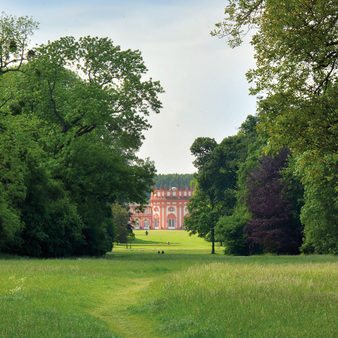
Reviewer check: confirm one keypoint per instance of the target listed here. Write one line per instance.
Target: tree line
(174, 180)
(273, 186)
(72, 117)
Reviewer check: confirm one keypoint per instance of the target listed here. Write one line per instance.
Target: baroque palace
(165, 211)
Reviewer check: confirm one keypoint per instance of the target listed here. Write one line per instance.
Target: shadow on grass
(141, 242)
(6, 257)
(220, 257)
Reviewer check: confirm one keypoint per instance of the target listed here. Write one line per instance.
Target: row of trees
(175, 180)
(72, 116)
(284, 181)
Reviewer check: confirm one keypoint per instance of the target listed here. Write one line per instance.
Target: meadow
(185, 292)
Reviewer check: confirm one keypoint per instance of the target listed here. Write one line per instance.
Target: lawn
(170, 241)
(185, 292)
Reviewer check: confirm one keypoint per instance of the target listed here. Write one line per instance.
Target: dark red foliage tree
(273, 227)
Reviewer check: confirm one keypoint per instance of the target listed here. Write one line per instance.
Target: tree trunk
(213, 240)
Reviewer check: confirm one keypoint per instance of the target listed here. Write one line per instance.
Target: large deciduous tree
(202, 218)
(216, 179)
(272, 227)
(296, 47)
(81, 106)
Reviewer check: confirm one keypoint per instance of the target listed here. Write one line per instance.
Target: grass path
(185, 292)
(115, 311)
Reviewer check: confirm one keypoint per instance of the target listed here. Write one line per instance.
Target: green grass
(185, 292)
(179, 241)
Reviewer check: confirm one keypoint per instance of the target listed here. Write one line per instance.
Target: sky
(206, 92)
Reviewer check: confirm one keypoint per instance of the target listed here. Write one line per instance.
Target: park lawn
(169, 241)
(185, 292)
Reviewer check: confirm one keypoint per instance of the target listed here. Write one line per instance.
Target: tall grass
(185, 292)
(247, 300)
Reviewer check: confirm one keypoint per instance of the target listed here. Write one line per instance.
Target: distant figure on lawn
(162, 251)
(168, 243)
(146, 233)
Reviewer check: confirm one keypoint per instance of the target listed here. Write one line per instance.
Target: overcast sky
(206, 93)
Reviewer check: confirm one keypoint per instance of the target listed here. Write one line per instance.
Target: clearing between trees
(185, 292)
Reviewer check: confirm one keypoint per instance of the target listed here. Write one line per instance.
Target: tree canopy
(295, 78)
(72, 118)
(216, 179)
(175, 180)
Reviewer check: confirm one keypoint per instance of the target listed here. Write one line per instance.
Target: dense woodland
(174, 180)
(272, 187)
(72, 117)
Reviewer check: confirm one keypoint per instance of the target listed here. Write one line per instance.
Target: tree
(296, 75)
(175, 180)
(123, 229)
(319, 213)
(231, 231)
(216, 178)
(87, 103)
(14, 39)
(16, 143)
(202, 219)
(272, 227)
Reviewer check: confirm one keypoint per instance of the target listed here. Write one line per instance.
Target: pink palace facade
(165, 211)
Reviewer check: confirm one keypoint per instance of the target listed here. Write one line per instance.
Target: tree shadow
(141, 242)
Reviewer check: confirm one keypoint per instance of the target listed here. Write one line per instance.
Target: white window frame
(171, 223)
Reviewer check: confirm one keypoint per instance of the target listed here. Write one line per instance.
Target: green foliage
(216, 193)
(10, 223)
(231, 230)
(14, 34)
(53, 228)
(71, 124)
(202, 217)
(296, 56)
(320, 211)
(175, 180)
(123, 230)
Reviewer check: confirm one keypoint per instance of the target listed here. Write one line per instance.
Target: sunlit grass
(247, 300)
(170, 241)
(185, 292)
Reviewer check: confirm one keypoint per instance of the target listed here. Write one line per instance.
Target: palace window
(145, 225)
(171, 223)
(156, 223)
